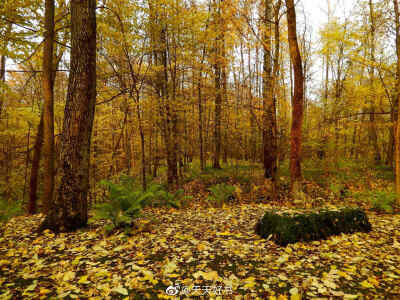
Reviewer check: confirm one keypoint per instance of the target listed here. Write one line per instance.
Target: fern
(9, 210)
(171, 199)
(124, 205)
(221, 193)
(383, 201)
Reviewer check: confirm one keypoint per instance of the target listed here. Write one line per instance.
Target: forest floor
(212, 250)
(212, 253)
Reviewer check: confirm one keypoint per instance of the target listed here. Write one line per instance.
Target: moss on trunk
(288, 228)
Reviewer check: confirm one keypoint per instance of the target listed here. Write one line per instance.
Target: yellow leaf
(83, 280)
(120, 290)
(4, 262)
(225, 233)
(69, 275)
(212, 275)
(201, 247)
(366, 284)
(373, 281)
(295, 297)
(169, 267)
(44, 291)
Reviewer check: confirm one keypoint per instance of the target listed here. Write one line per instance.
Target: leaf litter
(198, 247)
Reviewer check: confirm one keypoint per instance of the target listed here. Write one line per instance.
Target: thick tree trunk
(69, 210)
(297, 111)
(48, 108)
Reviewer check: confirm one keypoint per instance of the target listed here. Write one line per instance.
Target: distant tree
(297, 111)
(269, 127)
(218, 78)
(397, 128)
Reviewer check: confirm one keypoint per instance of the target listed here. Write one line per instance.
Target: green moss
(309, 226)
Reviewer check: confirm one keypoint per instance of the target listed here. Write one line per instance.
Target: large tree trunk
(48, 107)
(297, 111)
(69, 210)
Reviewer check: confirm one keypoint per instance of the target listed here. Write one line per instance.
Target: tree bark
(397, 126)
(48, 107)
(372, 126)
(69, 210)
(2, 81)
(269, 109)
(218, 88)
(297, 111)
(32, 206)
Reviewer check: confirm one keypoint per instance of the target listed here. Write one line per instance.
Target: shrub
(163, 197)
(308, 226)
(124, 205)
(383, 201)
(9, 210)
(221, 193)
(339, 190)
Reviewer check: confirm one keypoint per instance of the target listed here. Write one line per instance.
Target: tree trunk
(201, 139)
(69, 210)
(32, 206)
(297, 111)
(48, 108)
(218, 89)
(397, 131)
(269, 110)
(2, 81)
(372, 126)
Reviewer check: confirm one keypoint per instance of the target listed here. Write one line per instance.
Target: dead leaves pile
(198, 247)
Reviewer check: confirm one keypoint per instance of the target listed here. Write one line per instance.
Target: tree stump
(286, 228)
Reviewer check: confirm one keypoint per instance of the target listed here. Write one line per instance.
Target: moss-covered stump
(285, 228)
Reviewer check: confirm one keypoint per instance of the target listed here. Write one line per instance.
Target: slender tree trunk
(269, 110)
(48, 108)
(218, 90)
(3, 59)
(142, 142)
(372, 126)
(201, 139)
(2, 81)
(69, 210)
(32, 206)
(27, 159)
(297, 111)
(397, 131)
